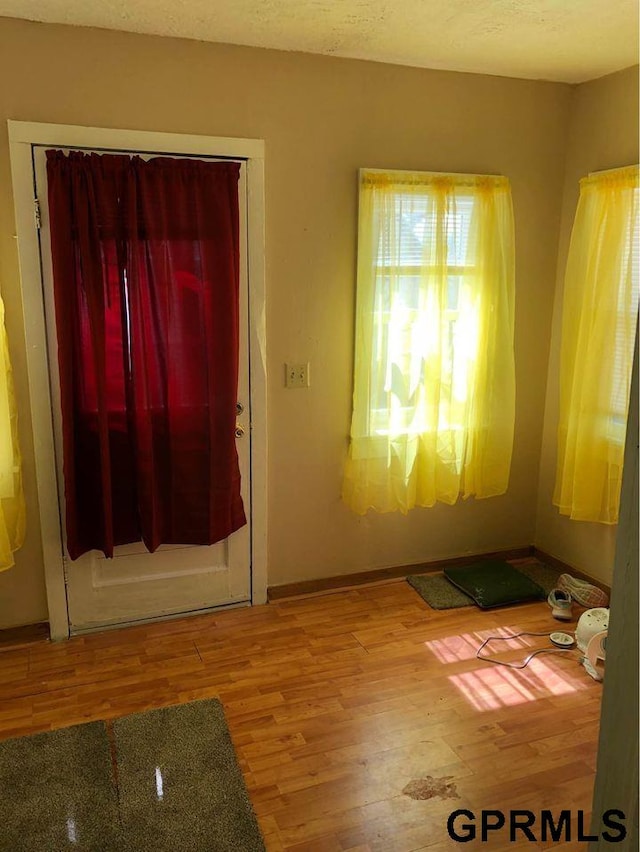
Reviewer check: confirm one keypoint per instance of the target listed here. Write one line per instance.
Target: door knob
(239, 431)
(239, 408)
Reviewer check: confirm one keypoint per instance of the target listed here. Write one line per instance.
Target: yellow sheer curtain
(434, 386)
(12, 508)
(599, 319)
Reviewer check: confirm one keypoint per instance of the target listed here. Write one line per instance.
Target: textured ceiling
(564, 40)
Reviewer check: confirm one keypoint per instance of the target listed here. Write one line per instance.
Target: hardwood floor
(336, 703)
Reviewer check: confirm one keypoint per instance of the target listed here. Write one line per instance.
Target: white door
(137, 585)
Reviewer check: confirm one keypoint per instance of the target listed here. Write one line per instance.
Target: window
(626, 312)
(402, 331)
(600, 311)
(434, 383)
(12, 505)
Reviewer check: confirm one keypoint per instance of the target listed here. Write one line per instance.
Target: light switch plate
(297, 375)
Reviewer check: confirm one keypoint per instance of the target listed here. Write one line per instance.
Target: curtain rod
(616, 169)
(424, 172)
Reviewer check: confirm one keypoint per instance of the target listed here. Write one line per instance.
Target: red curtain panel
(146, 284)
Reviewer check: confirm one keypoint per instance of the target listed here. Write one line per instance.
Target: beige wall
(603, 134)
(322, 119)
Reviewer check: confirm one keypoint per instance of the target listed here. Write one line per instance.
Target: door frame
(23, 136)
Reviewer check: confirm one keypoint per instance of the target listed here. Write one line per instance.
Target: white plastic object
(591, 671)
(562, 640)
(597, 648)
(591, 622)
(595, 654)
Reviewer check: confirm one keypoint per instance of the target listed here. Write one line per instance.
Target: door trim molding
(23, 136)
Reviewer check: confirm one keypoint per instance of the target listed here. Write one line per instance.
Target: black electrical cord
(528, 659)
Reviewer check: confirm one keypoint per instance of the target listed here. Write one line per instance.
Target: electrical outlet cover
(297, 375)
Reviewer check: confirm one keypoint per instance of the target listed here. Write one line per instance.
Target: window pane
(410, 229)
(625, 325)
(453, 292)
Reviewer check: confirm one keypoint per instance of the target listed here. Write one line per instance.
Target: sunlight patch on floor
(453, 649)
(490, 686)
(494, 687)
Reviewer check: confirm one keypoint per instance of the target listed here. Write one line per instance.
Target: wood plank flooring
(336, 703)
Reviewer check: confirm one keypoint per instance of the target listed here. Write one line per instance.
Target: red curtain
(145, 264)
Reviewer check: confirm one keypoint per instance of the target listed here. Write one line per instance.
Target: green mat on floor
(171, 782)
(57, 792)
(180, 785)
(440, 593)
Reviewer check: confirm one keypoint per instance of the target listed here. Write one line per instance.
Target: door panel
(171, 580)
(137, 585)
